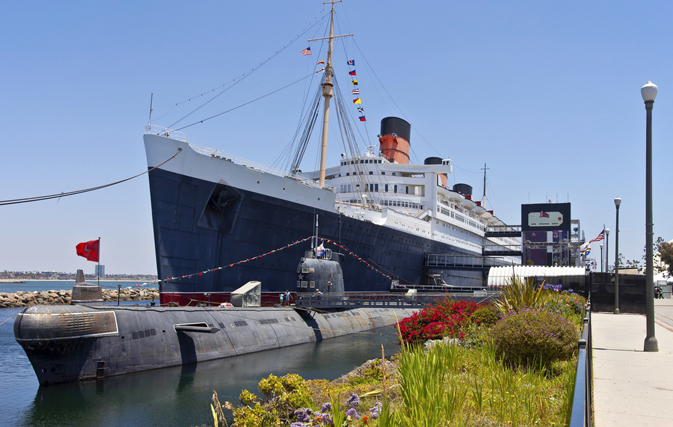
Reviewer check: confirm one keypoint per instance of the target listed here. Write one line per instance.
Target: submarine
(88, 340)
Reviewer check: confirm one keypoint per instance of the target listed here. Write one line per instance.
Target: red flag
(89, 250)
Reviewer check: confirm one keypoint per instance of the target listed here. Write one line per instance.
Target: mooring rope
(86, 190)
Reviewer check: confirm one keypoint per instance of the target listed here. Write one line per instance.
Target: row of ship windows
(370, 173)
(361, 161)
(459, 217)
(347, 188)
(395, 203)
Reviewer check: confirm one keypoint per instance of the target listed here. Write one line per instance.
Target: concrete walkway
(632, 387)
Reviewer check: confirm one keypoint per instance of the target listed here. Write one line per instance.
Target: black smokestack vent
(464, 189)
(397, 126)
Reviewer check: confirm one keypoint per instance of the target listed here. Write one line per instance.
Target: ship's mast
(327, 92)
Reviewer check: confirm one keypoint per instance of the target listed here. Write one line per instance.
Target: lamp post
(649, 92)
(601, 257)
(618, 201)
(607, 248)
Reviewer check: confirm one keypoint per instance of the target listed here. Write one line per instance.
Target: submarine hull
(81, 342)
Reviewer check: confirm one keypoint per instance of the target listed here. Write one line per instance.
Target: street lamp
(649, 92)
(607, 248)
(618, 202)
(601, 257)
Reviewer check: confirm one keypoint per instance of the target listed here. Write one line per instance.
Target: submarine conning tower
(323, 274)
(394, 139)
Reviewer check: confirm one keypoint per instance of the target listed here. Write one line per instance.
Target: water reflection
(181, 395)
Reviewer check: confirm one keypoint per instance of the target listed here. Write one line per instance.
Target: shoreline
(53, 297)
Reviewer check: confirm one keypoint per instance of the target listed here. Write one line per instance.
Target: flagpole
(99, 261)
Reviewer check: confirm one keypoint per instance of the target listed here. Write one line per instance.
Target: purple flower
(303, 415)
(297, 425)
(326, 407)
(353, 400)
(352, 413)
(375, 410)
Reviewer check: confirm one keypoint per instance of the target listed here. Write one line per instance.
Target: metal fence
(372, 299)
(581, 409)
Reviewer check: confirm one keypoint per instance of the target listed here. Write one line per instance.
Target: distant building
(96, 270)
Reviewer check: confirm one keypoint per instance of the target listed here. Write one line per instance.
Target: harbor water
(177, 396)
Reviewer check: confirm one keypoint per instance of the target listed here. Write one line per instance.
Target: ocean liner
(220, 221)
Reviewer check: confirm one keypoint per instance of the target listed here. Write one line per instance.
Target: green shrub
(486, 316)
(567, 304)
(534, 337)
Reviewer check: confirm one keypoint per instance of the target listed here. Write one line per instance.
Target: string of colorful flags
(234, 263)
(353, 254)
(354, 81)
(356, 90)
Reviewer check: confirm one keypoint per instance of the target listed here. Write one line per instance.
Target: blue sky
(547, 94)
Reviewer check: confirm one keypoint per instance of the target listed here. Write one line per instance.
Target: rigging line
(246, 103)
(391, 97)
(86, 190)
(235, 82)
(10, 318)
(319, 18)
(284, 159)
(465, 170)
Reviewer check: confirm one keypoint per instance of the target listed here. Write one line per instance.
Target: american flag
(306, 51)
(598, 238)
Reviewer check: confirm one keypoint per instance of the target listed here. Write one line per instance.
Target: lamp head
(649, 91)
(607, 231)
(618, 201)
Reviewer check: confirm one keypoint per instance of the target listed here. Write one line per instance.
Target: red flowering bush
(446, 318)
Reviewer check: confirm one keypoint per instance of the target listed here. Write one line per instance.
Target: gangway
(503, 231)
(464, 262)
(501, 250)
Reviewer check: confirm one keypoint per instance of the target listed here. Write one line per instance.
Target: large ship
(220, 221)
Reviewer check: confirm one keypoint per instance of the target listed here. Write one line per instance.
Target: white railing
(168, 133)
(256, 166)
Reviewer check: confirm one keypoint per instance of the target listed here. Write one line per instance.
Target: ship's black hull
(200, 225)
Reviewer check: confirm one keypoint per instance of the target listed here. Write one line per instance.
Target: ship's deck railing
(168, 133)
(443, 260)
(377, 299)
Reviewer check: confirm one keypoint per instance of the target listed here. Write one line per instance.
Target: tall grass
(452, 385)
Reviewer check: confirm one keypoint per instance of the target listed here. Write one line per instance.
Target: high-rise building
(96, 270)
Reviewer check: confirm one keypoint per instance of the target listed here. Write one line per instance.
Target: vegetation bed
(461, 364)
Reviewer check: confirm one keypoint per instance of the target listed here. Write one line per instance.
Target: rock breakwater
(24, 299)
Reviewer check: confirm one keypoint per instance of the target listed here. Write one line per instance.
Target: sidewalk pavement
(632, 387)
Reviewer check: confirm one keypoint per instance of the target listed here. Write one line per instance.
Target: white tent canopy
(499, 276)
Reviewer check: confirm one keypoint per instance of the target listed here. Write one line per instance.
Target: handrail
(165, 132)
(581, 410)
